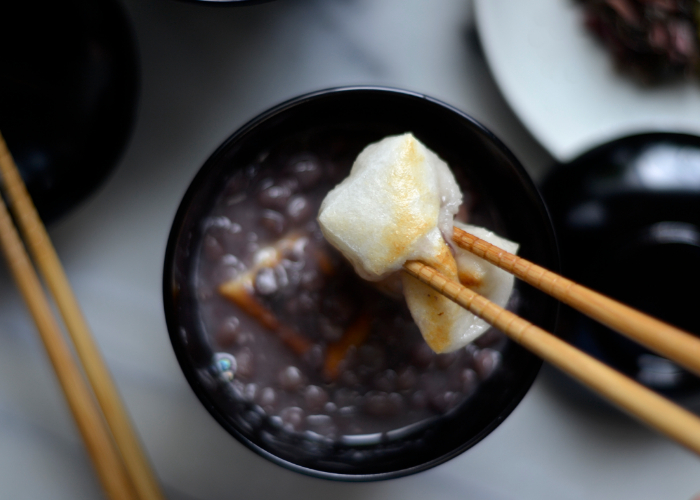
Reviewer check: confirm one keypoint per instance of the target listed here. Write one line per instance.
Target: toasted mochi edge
(434, 313)
(446, 326)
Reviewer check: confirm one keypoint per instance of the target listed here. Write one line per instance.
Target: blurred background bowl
(471, 150)
(227, 3)
(68, 95)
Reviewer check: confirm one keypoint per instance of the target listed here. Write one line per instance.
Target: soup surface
(296, 335)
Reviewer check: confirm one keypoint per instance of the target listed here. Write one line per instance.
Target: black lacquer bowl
(627, 217)
(228, 3)
(493, 173)
(68, 95)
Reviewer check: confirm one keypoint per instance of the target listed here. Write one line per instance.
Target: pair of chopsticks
(640, 402)
(102, 420)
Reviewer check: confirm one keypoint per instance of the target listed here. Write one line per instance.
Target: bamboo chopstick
(640, 402)
(46, 259)
(658, 336)
(96, 436)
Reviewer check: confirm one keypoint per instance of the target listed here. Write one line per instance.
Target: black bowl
(493, 174)
(68, 95)
(227, 3)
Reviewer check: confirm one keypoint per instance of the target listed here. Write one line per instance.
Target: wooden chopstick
(667, 340)
(640, 402)
(91, 426)
(46, 259)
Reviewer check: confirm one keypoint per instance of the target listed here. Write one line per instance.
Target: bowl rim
(173, 324)
(226, 3)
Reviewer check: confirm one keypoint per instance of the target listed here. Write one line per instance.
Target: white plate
(562, 83)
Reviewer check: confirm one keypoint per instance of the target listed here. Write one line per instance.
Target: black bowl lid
(627, 218)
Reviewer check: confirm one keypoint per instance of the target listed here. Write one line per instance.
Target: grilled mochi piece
(388, 210)
(460, 327)
(397, 203)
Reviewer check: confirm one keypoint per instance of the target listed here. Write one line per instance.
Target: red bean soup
(296, 355)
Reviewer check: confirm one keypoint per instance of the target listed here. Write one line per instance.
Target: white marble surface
(205, 72)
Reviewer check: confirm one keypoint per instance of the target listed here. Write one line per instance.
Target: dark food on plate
(311, 348)
(655, 40)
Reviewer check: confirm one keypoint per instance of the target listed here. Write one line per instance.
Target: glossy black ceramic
(627, 216)
(227, 3)
(68, 95)
(464, 144)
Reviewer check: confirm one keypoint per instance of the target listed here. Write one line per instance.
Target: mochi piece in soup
(391, 207)
(398, 204)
